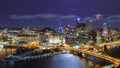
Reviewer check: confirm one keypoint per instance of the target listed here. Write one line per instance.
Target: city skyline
(48, 33)
(50, 13)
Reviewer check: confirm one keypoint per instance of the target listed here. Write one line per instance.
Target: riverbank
(33, 54)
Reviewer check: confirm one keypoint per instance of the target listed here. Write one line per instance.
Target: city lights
(60, 34)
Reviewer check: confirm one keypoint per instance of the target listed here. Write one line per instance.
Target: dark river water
(58, 61)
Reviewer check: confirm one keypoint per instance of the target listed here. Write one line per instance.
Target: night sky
(38, 13)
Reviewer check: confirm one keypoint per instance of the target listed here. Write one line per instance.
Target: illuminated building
(1, 37)
(45, 35)
(60, 28)
(105, 30)
(92, 35)
(52, 37)
(98, 37)
(89, 26)
(56, 39)
(28, 37)
(99, 16)
(80, 24)
(59, 37)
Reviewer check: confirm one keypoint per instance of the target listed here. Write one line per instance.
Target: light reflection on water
(59, 61)
(67, 61)
(90, 64)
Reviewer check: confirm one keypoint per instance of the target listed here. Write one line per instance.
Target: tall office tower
(60, 35)
(89, 26)
(80, 24)
(105, 30)
(98, 37)
(77, 22)
(60, 28)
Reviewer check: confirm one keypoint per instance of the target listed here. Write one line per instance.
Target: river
(58, 61)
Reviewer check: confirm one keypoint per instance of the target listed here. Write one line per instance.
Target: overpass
(106, 57)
